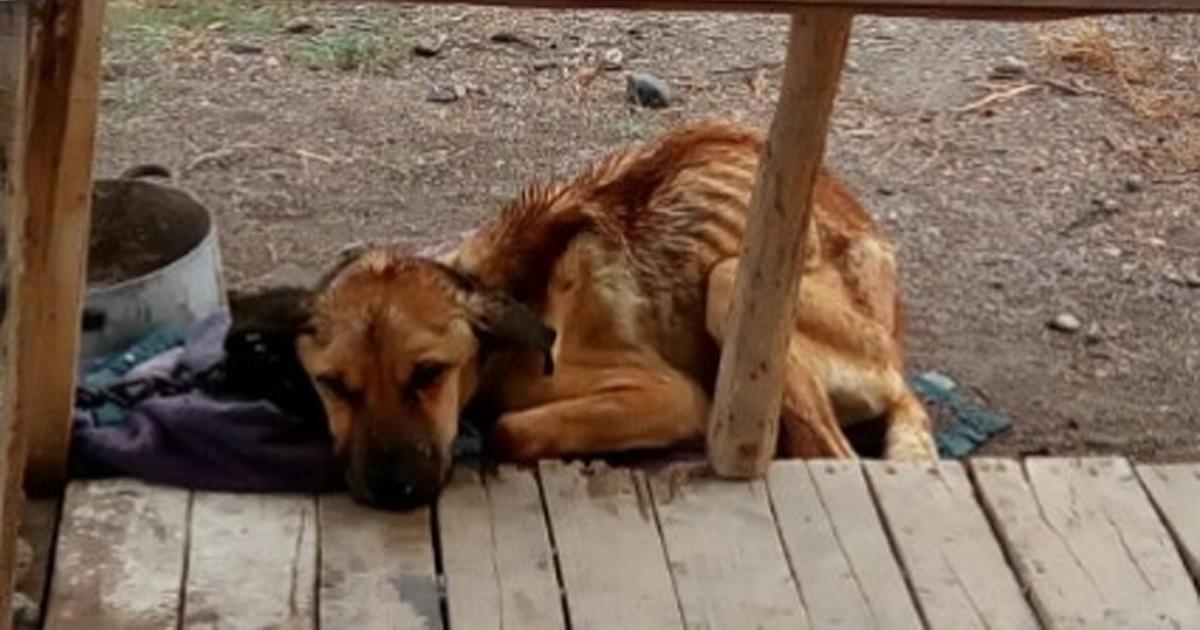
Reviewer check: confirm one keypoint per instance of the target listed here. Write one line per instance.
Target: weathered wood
(119, 562)
(1175, 490)
(252, 562)
(838, 550)
(955, 565)
(496, 554)
(613, 567)
(51, 239)
(377, 568)
(724, 551)
(14, 27)
(1086, 540)
(744, 427)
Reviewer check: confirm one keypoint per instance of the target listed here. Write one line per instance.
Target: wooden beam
(744, 426)
(945, 9)
(14, 28)
(51, 238)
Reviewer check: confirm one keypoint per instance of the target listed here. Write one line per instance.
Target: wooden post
(744, 426)
(50, 230)
(14, 28)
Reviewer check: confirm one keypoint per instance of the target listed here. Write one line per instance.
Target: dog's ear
(499, 318)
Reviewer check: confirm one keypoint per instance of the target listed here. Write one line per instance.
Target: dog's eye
(426, 374)
(337, 387)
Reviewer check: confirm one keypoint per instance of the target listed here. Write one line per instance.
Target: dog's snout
(397, 480)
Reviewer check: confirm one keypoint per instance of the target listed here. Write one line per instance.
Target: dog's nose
(396, 483)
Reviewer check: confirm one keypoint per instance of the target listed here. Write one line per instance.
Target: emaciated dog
(589, 314)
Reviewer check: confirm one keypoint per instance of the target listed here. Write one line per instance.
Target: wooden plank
(947, 9)
(39, 522)
(377, 568)
(955, 565)
(14, 431)
(51, 239)
(724, 551)
(744, 426)
(838, 550)
(252, 562)
(496, 554)
(1174, 489)
(1086, 540)
(613, 566)
(119, 562)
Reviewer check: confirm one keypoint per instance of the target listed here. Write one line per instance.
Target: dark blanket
(191, 416)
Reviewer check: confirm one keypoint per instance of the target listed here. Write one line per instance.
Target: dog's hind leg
(809, 427)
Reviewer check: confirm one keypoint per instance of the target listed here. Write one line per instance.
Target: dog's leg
(615, 409)
(909, 435)
(809, 426)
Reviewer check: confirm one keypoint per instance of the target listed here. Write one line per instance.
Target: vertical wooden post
(744, 426)
(14, 29)
(51, 239)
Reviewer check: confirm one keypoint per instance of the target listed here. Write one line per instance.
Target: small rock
(431, 47)
(1112, 251)
(244, 48)
(1155, 241)
(1009, 68)
(886, 191)
(1106, 204)
(612, 59)
(1065, 322)
(1093, 335)
(648, 90)
(446, 93)
(543, 64)
(1135, 183)
(300, 26)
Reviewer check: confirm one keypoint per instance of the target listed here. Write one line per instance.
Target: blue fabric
(963, 425)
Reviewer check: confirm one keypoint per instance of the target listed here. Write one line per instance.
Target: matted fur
(631, 264)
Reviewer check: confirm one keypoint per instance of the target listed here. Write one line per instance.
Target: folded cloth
(185, 424)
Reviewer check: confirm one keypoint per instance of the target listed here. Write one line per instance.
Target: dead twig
(996, 97)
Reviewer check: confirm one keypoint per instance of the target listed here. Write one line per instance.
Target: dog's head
(393, 345)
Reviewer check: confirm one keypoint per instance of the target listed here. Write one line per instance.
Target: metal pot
(155, 248)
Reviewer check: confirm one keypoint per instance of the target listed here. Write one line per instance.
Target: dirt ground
(1027, 172)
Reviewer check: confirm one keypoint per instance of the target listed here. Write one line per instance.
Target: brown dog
(590, 314)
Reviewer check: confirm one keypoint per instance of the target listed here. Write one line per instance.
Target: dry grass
(1141, 72)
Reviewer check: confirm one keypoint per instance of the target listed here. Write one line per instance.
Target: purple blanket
(197, 436)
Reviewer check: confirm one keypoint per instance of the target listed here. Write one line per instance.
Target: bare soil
(1063, 181)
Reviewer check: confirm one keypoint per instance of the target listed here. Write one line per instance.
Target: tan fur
(632, 263)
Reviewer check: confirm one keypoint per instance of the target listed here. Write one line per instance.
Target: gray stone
(648, 90)
(446, 93)
(1066, 323)
(430, 47)
(245, 48)
(1009, 68)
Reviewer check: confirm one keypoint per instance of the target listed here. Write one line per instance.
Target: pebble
(1065, 322)
(612, 59)
(1093, 335)
(886, 191)
(1009, 68)
(244, 48)
(430, 47)
(300, 26)
(543, 64)
(1107, 204)
(939, 380)
(648, 90)
(446, 93)
(1135, 183)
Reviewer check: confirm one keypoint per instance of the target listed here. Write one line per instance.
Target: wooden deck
(1050, 543)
